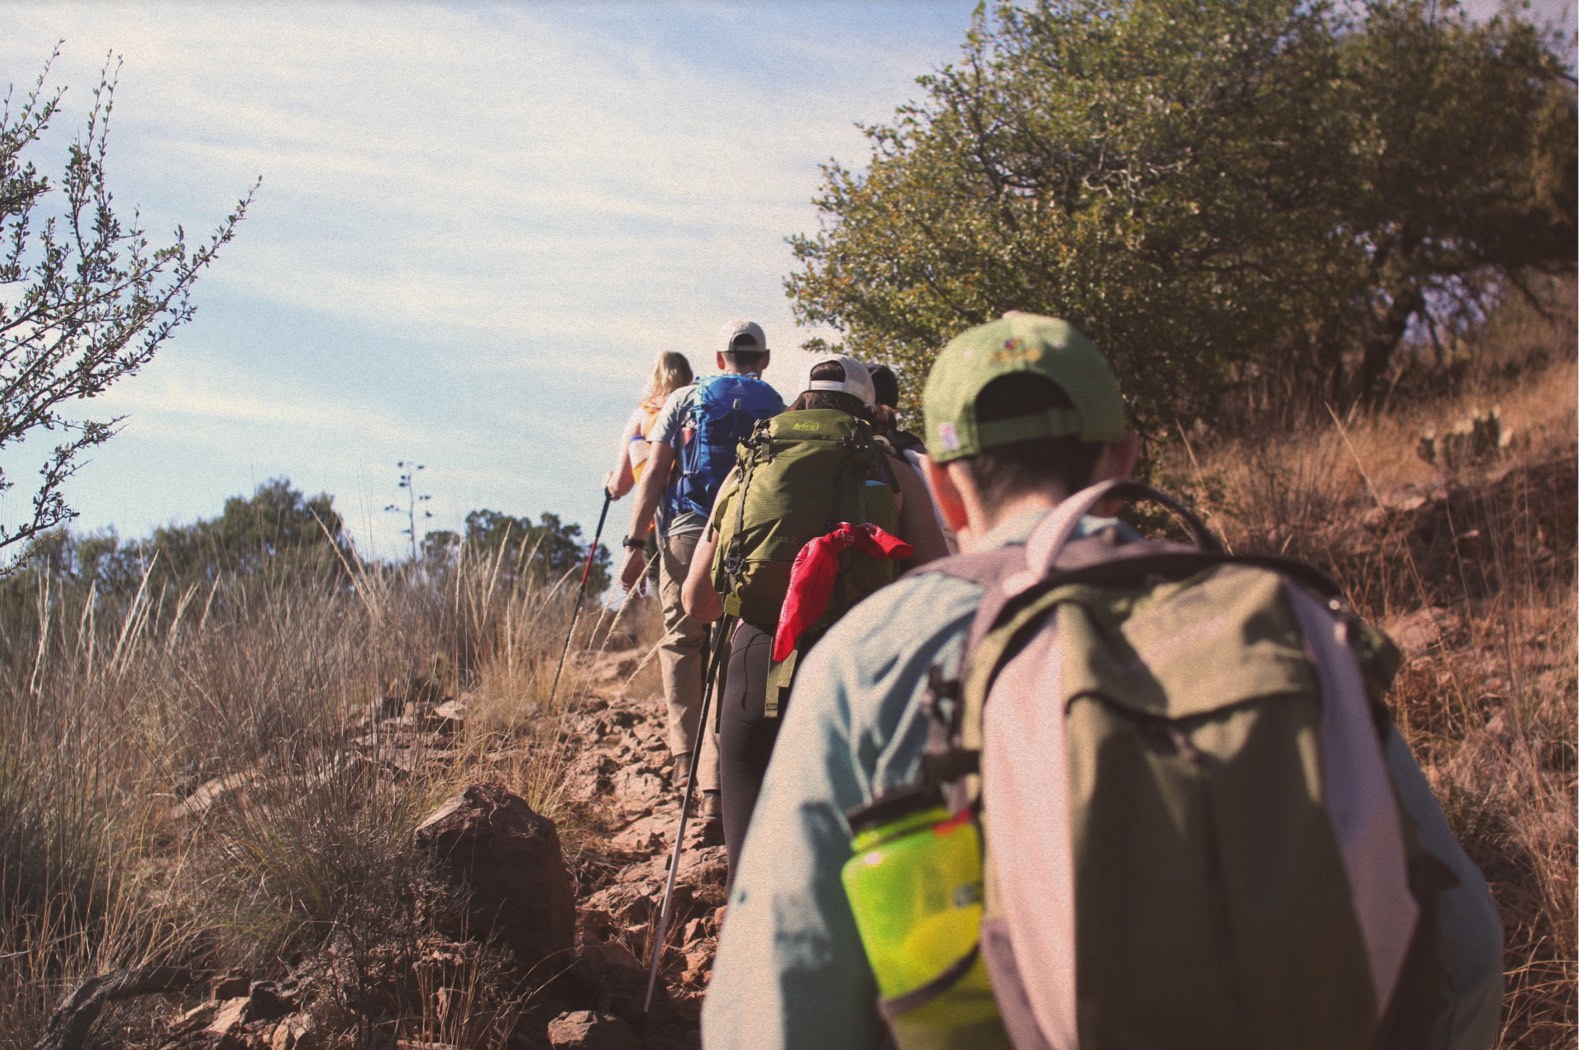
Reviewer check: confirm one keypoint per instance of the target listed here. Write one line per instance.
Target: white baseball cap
(857, 381)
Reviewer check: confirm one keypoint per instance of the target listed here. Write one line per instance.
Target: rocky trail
(625, 813)
(620, 779)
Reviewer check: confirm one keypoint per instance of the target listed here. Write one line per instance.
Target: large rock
(489, 841)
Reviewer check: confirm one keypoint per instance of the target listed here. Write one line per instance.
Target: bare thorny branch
(84, 300)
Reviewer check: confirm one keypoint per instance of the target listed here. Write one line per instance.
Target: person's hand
(608, 486)
(634, 569)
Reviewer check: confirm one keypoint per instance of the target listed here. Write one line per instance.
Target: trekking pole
(592, 550)
(725, 629)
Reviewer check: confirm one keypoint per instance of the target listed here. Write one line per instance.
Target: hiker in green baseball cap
(1026, 346)
(1021, 414)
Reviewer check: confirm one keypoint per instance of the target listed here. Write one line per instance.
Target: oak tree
(1266, 198)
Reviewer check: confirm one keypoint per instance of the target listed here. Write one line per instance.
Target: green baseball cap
(1016, 344)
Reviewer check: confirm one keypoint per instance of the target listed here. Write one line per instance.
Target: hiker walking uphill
(691, 449)
(886, 416)
(1177, 814)
(671, 371)
(886, 413)
(807, 472)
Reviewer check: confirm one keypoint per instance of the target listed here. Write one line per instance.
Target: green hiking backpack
(799, 475)
(1191, 839)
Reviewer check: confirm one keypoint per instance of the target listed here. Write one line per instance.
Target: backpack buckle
(940, 768)
(943, 700)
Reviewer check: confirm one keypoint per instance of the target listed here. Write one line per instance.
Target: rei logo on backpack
(1190, 836)
(724, 410)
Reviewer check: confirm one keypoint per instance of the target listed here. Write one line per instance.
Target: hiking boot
(712, 808)
(681, 773)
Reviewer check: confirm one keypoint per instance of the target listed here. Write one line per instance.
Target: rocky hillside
(517, 932)
(514, 940)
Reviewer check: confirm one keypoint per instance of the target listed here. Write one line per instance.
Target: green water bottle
(915, 887)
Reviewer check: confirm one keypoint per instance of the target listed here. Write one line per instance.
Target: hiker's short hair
(745, 360)
(1007, 471)
(885, 385)
(830, 371)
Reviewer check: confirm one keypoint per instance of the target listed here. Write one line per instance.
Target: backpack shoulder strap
(1054, 532)
(1052, 550)
(1016, 576)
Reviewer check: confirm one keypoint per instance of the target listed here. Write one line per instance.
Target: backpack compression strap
(746, 459)
(1053, 556)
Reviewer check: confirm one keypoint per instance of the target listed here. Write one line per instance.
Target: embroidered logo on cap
(948, 438)
(1015, 352)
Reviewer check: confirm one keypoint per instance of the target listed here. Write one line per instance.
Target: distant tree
(543, 553)
(98, 558)
(276, 528)
(59, 571)
(439, 548)
(1226, 194)
(84, 299)
(275, 534)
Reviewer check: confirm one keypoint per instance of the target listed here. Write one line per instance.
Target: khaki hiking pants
(682, 660)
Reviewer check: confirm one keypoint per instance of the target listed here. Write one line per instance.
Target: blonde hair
(671, 371)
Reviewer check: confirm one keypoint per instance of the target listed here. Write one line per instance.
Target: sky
(476, 227)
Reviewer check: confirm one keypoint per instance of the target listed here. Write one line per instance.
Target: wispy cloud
(489, 195)
(497, 214)
(204, 393)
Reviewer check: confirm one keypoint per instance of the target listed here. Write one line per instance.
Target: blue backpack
(723, 412)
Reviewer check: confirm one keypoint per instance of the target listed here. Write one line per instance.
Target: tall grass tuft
(194, 778)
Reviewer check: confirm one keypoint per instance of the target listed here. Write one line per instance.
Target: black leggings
(746, 738)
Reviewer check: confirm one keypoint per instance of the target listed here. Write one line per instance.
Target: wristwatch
(631, 544)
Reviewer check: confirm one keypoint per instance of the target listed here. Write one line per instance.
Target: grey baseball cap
(857, 381)
(741, 334)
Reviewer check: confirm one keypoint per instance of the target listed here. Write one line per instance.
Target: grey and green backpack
(1175, 757)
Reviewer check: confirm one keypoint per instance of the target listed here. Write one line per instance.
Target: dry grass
(1472, 569)
(119, 710)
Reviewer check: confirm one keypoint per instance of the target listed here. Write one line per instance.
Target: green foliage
(541, 554)
(84, 300)
(274, 534)
(1261, 197)
(274, 528)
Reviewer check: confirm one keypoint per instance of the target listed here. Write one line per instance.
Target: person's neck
(983, 520)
